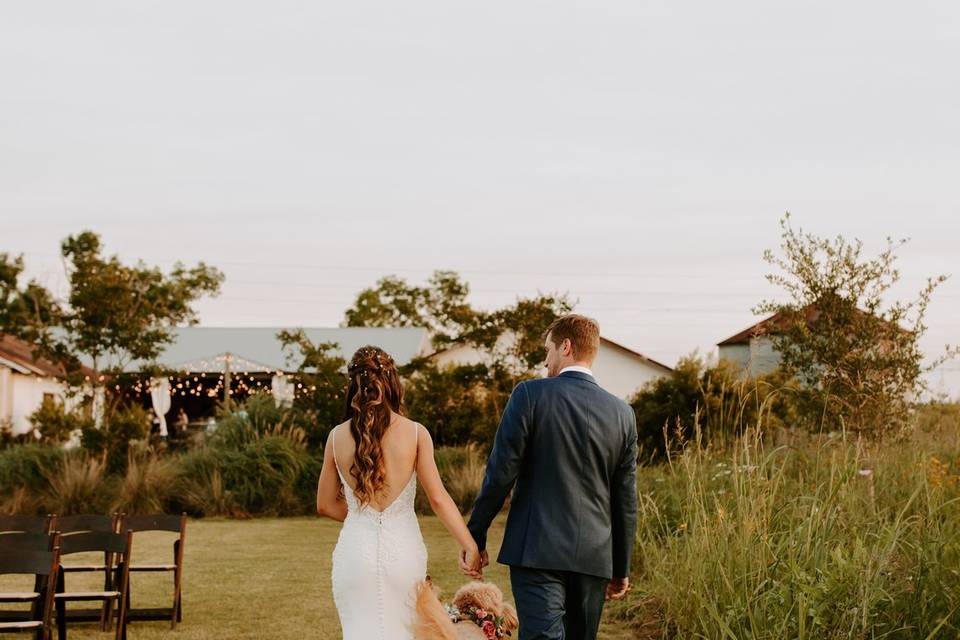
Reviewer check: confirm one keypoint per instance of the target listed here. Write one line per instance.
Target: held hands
(472, 562)
(617, 588)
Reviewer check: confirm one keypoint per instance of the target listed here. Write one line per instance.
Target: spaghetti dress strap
(416, 441)
(333, 434)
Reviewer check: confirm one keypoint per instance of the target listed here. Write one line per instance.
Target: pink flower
(489, 629)
(481, 614)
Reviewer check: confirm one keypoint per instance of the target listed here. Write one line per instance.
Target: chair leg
(106, 613)
(175, 608)
(61, 607)
(121, 633)
(61, 621)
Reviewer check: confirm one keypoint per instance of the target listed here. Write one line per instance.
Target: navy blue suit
(568, 450)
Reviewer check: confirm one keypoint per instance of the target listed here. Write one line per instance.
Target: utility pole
(226, 380)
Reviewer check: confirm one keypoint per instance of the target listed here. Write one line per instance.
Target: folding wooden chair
(23, 541)
(22, 557)
(70, 525)
(15, 542)
(82, 523)
(160, 522)
(25, 524)
(118, 581)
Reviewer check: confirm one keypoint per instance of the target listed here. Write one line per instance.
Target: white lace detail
(381, 554)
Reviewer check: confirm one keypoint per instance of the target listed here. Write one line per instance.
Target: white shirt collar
(578, 369)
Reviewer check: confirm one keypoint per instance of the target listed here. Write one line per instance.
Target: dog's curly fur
(432, 622)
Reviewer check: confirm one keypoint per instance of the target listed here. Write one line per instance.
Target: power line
(429, 270)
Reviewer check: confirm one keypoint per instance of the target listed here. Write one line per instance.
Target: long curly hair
(374, 394)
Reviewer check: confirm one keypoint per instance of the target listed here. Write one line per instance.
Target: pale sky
(636, 154)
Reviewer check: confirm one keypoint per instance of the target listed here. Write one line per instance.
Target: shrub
(112, 441)
(269, 472)
(26, 466)
(55, 423)
(255, 416)
(718, 402)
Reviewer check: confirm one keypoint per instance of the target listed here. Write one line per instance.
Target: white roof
(257, 348)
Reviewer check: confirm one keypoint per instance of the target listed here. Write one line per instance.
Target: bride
(371, 464)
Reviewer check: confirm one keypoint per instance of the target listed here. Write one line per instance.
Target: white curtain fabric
(283, 390)
(99, 405)
(160, 396)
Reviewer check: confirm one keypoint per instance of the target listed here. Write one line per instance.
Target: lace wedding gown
(378, 560)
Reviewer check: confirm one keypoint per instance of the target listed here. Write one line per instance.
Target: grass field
(265, 578)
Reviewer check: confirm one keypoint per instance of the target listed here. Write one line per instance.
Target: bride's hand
(471, 563)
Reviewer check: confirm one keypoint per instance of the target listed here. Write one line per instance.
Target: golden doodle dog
(478, 612)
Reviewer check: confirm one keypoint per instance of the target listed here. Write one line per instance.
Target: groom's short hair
(582, 332)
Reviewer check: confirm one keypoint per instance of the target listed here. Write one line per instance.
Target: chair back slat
(38, 563)
(155, 522)
(105, 541)
(21, 541)
(86, 522)
(24, 523)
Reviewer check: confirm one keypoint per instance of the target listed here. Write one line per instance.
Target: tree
(321, 373)
(440, 306)
(113, 314)
(857, 359)
(459, 404)
(24, 312)
(512, 336)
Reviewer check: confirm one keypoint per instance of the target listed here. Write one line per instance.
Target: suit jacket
(568, 449)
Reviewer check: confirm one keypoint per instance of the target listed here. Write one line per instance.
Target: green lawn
(266, 578)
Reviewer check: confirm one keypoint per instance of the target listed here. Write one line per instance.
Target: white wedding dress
(378, 561)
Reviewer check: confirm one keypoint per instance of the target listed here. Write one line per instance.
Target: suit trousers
(557, 605)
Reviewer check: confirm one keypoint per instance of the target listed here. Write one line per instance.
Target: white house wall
(618, 371)
(6, 395)
(461, 355)
(622, 373)
(27, 396)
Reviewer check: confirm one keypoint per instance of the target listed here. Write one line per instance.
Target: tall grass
(77, 485)
(819, 538)
(461, 469)
(148, 486)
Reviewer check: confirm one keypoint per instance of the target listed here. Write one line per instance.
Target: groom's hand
(471, 564)
(617, 588)
(484, 559)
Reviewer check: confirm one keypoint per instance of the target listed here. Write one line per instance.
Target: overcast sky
(636, 154)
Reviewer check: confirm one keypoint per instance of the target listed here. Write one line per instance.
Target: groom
(568, 449)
